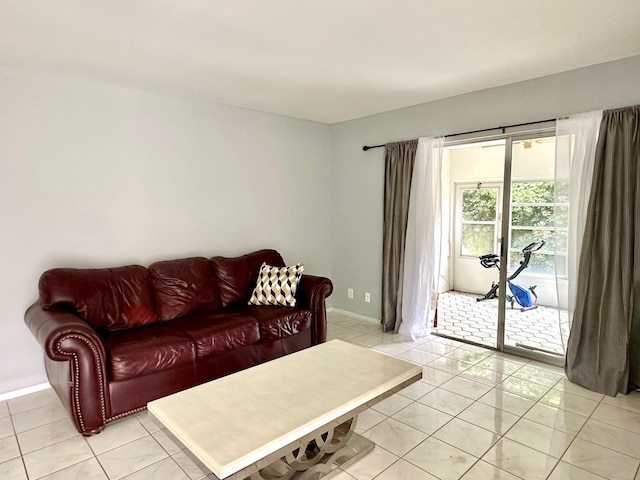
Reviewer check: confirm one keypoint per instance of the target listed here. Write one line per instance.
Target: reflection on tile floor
(476, 414)
(461, 316)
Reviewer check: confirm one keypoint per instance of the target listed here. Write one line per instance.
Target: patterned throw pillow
(277, 285)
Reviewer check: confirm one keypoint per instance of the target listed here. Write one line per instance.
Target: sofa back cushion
(237, 276)
(106, 298)
(184, 287)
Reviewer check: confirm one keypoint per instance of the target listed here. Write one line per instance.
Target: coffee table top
(232, 422)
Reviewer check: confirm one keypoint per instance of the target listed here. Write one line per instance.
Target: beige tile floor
(477, 414)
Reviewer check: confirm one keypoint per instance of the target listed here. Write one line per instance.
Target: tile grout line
(559, 459)
(386, 341)
(538, 400)
(478, 459)
(576, 437)
(500, 435)
(453, 417)
(13, 427)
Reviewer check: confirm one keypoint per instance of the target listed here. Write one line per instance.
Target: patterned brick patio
(461, 316)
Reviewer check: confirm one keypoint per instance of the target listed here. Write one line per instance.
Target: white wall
(358, 177)
(97, 175)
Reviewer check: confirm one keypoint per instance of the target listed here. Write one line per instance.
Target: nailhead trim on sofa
(76, 376)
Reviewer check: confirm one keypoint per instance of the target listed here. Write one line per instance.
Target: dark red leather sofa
(117, 338)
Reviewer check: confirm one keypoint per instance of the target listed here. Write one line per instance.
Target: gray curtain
(399, 161)
(603, 351)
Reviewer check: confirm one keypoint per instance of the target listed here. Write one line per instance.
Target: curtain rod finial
(369, 147)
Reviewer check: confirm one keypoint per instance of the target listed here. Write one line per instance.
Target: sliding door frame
(504, 239)
(546, 130)
(504, 252)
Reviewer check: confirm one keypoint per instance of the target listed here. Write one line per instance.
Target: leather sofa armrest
(65, 337)
(53, 326)
(312, 293)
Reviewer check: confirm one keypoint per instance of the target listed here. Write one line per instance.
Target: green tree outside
(537, 207)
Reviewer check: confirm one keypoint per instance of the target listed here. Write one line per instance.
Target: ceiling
(323, 60)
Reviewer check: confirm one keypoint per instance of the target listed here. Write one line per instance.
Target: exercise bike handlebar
(524, 263)
(491, 260)
(533, 247)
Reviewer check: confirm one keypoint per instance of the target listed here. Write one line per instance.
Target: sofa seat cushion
(278, 322)
(142, 351)
(218, 332)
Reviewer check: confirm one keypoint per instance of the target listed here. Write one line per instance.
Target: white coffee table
(292, 417)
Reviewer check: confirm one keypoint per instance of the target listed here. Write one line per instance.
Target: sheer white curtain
(576, 139)
(423, 240)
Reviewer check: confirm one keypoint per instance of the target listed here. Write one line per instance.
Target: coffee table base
(357, 447)
(317, 457)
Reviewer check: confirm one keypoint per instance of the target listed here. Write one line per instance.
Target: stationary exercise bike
(525, 297)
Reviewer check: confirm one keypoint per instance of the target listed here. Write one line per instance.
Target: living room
(109, 161)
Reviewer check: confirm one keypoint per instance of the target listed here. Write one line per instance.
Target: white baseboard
(23, 391)
(354, 315)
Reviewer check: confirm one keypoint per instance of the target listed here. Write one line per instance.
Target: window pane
(532, 216)
(553, 239)
(477, 240)
(562, 191)
(522, 238)
(539, 263)
(561, 216)
(532, 192)
(561, 265)
(561, 240)
(479, 204)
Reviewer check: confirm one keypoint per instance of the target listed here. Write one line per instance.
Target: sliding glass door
(479, 223)
(535, 248)
(501, 247)
(472, 223)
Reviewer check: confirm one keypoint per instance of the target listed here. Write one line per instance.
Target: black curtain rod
(369, 147)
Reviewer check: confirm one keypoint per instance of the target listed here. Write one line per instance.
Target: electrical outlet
(350, 293)
(367, 297)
